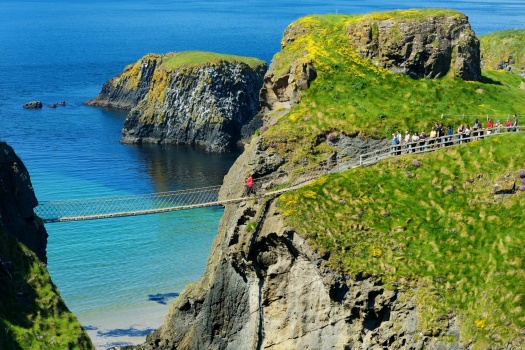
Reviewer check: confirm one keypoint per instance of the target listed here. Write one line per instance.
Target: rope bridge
(142, 204)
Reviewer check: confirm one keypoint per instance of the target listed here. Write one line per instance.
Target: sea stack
(195, 98)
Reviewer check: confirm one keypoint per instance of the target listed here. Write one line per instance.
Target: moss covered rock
(504, 50)
(420, 43)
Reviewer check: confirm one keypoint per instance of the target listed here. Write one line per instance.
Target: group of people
(440, 136)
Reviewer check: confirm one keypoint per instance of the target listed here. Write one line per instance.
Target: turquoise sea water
(64, 51)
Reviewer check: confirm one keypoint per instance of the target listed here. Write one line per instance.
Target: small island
(195, 98)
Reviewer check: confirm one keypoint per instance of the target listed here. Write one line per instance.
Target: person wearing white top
(415, 139)
(407, 141)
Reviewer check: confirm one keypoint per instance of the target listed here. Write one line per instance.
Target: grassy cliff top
(351, 95)
(32, 314)
(419, 15)
(430, 225)
(175, 60)
(502, 47)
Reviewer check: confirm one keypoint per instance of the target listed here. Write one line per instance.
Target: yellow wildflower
(310, 194)
(481, 324)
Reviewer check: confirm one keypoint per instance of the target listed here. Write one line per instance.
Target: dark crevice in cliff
(239, 269)
(260, 325)
(377, 311)
(258, 271)
(338, 291)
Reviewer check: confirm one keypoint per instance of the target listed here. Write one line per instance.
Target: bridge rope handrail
(141, 204)
(424, 146)
(133, 196)
(508, 115)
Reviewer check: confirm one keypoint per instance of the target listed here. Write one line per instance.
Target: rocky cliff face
(266, 288)
(428, 47)
(17, 200)
(204, 104)
(127, 89)
(32, 313)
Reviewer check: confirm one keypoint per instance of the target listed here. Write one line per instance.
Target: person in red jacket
(249, 186)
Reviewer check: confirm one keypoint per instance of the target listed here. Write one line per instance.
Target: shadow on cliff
(487, 80)
(21, 280)
(18, 297)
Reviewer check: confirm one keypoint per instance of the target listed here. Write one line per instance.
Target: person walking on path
(407, 141)
(515, 123)
(450, 132)
(498, 126)
(249, 186)
(489, 126)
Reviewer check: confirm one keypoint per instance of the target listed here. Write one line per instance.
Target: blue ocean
(120, 275)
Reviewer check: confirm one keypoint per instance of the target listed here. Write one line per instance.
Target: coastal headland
(420, 251)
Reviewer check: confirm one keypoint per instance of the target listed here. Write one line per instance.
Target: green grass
(429, 225)
(177, 60)
(498, 47)
(419, 15)
(32, 314)
(354, 97)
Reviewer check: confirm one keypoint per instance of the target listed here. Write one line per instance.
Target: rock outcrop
(203, 104)
(127, 89)
(419, 47)
(282, 89)
(17, 200)
(33, 105)
(264, 287)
